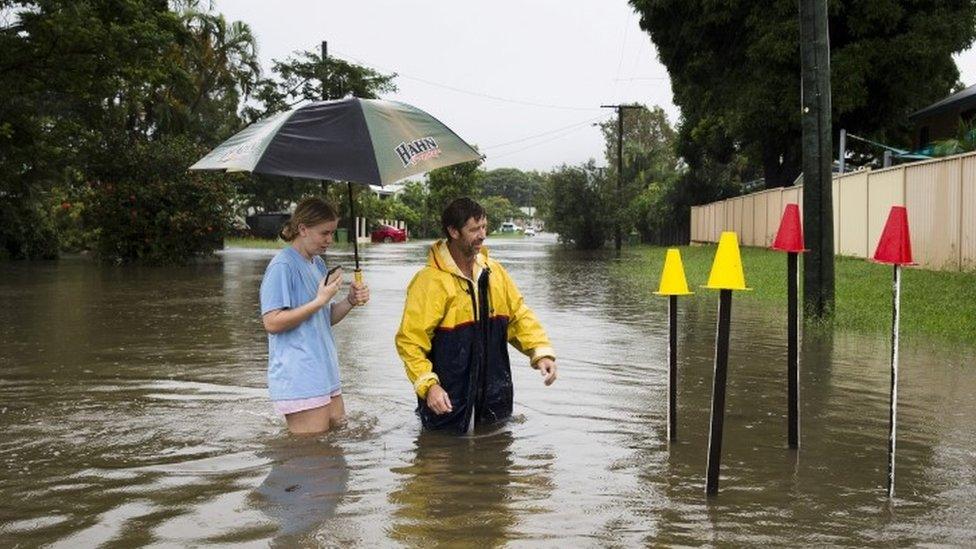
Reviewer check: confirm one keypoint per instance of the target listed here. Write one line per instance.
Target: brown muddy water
(133, 411)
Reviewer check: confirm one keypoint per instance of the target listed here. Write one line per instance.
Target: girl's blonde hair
(309, 212)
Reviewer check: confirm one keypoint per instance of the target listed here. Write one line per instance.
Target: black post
(617, 237)
(792, 344)
(818, 266)
(325, 97)
(325, 57)
(353, 229)
(673, 367)
(620, 176)
(893, 411)
(718, 392)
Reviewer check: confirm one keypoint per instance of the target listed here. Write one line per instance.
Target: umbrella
(369, 141)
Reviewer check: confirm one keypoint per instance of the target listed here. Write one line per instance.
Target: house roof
(962, 100)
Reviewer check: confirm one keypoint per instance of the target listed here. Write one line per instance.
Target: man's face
(471, 236)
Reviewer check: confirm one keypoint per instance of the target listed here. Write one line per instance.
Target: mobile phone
(328, 275)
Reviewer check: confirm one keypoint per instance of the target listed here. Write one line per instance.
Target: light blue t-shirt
(302, 362)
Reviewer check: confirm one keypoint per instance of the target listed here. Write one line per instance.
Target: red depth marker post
(894, 248)
(789, 239)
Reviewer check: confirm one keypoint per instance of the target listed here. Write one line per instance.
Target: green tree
(520, 188)
(650, 160)
(304, 76)
(446, 184)
(148, 207)
(582, 219)
(72, 72)
(297, 79)
(416, 198)
(89, 82)
(218, 69)
(498, 210)
(735, 73)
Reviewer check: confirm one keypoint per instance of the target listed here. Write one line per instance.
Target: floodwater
(133, 411)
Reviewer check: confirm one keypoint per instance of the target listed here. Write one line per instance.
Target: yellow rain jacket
(443, 340)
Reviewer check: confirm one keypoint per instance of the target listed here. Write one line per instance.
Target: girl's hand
(358, 294)
(329, 288)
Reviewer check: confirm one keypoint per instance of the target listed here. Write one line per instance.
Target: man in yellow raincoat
(461, 309)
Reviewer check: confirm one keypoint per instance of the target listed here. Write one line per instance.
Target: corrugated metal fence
(940, 196)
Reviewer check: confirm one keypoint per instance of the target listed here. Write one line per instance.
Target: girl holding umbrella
(298, 309)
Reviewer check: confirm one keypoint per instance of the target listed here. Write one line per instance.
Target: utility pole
(325, 59)
(620, 165)
(818, 265)
(325, 97)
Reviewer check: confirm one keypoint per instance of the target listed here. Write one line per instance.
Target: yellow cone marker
(727, 268)
(673, 280)
(672, 285)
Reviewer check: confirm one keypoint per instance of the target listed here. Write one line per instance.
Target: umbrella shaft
(353, 226)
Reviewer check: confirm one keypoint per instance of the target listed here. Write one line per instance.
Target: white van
(507, 227)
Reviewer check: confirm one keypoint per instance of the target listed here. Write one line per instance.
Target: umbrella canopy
(369, 141)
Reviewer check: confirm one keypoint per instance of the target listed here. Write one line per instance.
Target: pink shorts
(285, 407)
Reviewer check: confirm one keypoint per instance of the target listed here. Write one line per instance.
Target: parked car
(267, 225)
(529, 231)
(387, 233)
(507, 227)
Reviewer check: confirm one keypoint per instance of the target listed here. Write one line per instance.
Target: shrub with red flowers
(147, 207)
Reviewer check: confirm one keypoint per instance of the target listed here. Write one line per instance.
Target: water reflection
(460, 489)
(307, 481)
(134, 412)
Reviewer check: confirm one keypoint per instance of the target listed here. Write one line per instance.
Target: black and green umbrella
(369, 141)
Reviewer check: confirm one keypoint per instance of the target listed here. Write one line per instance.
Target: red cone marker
(789, 239)
(895, 248)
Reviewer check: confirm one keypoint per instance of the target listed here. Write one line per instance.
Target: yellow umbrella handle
(358, 277)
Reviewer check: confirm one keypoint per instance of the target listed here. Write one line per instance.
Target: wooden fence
(940, 196)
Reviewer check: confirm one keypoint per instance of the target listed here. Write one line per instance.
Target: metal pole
(718, 392)
(792, 366)
(842, 151)
(673, 367)
(353, 227)
(893, 413)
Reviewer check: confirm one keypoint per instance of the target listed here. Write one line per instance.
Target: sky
(522, 80)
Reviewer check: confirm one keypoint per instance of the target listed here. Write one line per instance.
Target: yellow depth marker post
(672, 285)
(726, 276)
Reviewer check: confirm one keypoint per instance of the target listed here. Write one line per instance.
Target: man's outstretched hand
(547, 367)
(438, 401)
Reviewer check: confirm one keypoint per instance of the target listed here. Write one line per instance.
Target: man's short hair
(458, 212)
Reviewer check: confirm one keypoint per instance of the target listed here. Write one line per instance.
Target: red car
(386, 233)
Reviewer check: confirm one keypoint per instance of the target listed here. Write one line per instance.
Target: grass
(266, 244)
(934, 304)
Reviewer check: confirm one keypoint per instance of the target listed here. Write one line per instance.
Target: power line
(464, 91)
(638, 78)
(564, 134)
(584, 122)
